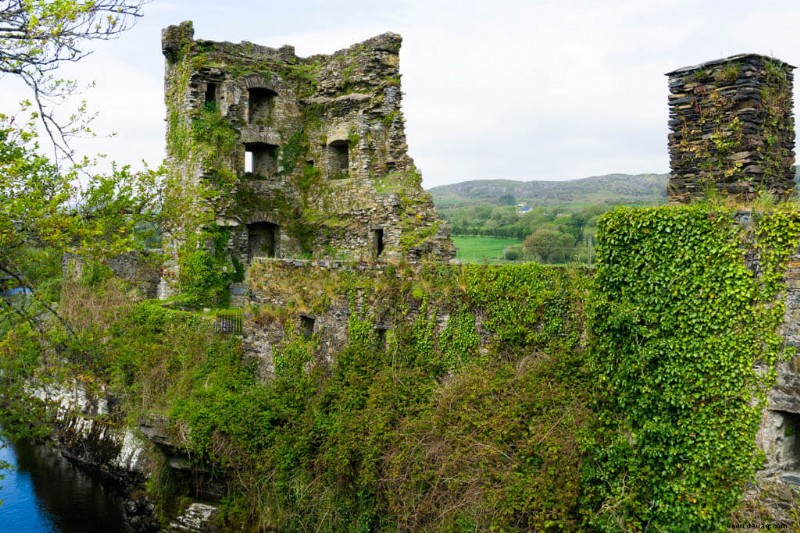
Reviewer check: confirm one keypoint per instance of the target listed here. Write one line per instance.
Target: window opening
(260, 104)
(380, 334)
(307, 326)
(261, 159)
(262, 238)
(377, 241)
(338, 159)
(788, 441)
(211, 96)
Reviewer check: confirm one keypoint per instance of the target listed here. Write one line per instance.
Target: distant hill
(613, 188)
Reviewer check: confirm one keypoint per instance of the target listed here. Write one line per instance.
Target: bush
(512, 253)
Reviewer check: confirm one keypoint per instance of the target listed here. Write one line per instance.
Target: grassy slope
(614, 188)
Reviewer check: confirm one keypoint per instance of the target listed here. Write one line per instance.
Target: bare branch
(37, 36)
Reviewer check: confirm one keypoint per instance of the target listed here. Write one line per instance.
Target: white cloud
(518, 89)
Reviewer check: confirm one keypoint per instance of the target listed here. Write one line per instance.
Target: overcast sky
(513, 89)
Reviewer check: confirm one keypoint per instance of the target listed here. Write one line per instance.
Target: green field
(482, 249)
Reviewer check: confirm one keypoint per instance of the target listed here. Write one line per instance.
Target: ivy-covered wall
(521, 306)
(669, 380)
(293, 157)
(437, 397)
(686, 313)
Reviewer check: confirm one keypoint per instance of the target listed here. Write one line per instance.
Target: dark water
(43, 492)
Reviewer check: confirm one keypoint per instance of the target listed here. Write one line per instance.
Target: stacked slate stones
(731, 128)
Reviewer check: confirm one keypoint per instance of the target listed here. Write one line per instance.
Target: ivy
(205, 272)
(291, 152)
(679, 323)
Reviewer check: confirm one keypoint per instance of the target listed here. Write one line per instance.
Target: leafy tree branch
(38, 36)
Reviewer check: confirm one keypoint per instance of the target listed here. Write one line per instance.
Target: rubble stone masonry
(731, 128)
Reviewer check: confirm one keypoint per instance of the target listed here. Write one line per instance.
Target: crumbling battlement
(731, 128)
(294, 157)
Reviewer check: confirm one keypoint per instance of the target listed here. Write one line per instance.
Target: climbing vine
(680, 326)
(206, 271)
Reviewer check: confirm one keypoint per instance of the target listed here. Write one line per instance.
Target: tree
(44, 214)
(38, 36)
(549, 246)
(507, 199)
(43, 211)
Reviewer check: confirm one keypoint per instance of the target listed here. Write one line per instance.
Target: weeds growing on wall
(416, 428)
(478, 408)
(684, 346)
(206, 270)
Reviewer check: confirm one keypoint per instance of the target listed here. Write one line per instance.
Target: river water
(43, 493)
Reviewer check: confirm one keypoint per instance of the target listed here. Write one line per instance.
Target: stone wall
(279, 284)
(731, 128)
(297, 157)
(140, 269)
(779, 434)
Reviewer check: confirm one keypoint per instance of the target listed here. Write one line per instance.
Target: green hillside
(648, 189)
(557, 220)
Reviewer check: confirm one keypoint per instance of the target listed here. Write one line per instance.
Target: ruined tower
(292, 157)
(731, 128)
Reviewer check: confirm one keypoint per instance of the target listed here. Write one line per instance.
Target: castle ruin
(293, 157)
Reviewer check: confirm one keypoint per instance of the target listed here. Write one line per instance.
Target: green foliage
(414, 236)
(507, 199)
(678, 325)
(397, 421)
(291, 151)
(496, 451)
(20, 360)
(512, 253)
(95, 273)
(205, 272)
(213, 140)
(529, 305)
(549, 246)
(777, 98)
(389, 118)
(37, 227)
(460, 342)
(310, 179)
(728, 72)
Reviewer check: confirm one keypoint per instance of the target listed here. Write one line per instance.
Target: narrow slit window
(338, 159)
(211, 96)
(307, 326)
(260, 104)
(377, 241)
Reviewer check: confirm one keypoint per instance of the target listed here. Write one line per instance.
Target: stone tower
(292, 157)
(731, 128)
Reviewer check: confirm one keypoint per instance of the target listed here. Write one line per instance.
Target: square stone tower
(731, 128)
(275, 155)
